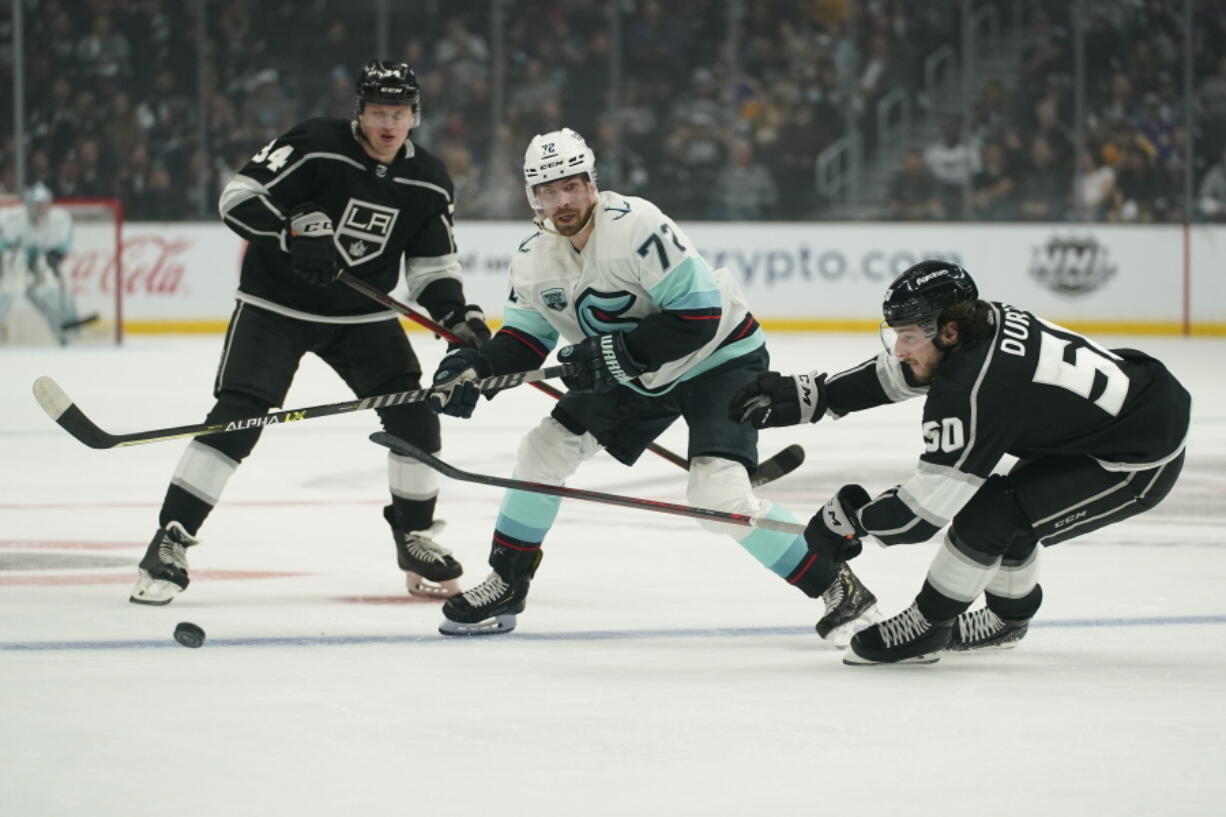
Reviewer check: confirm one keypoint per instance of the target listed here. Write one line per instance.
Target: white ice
(658, 670)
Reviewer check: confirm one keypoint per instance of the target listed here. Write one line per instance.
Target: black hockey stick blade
(780, 465)
(60, 407)
(79, 322)
(405, 449)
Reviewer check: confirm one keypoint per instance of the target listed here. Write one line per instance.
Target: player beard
(573, 227)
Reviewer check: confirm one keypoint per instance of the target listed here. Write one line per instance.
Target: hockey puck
(189, 635)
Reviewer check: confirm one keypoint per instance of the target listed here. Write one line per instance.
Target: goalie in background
(1098, 435)
(656, 335)
(34, 241)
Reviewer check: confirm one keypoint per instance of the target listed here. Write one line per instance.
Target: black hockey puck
(188, 634)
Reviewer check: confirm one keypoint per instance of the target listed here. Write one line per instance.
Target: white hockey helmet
(38, 193)
(556, 155)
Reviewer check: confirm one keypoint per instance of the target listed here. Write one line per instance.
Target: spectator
(268, 109)
(914, 193)
(1212, 196)
(1094, 189)
(745, 190)
(618, 165)
(1139, 194)
(994, 189)
(1044, 189)
(953, 162)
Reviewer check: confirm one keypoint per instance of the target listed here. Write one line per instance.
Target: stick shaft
(376, 294)
(60, 407)
(405, 449)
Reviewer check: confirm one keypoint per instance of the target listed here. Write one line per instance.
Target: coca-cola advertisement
(167, 272)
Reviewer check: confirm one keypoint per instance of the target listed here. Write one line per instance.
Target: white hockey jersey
(636, 263)
(53, 232)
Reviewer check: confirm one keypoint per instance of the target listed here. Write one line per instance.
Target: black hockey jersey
(380, 212)
(1029, 388)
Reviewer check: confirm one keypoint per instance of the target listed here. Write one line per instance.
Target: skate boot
(163, 571)
(490, 608)
(982, 629)
(429, 569)
(907, 638)
(850, 607)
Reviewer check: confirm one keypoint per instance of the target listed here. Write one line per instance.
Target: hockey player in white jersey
(33, 243)
(655, 334)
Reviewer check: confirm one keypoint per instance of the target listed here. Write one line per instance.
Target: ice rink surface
(658, 670)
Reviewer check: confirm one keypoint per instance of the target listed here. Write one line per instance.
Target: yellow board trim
(212, 327)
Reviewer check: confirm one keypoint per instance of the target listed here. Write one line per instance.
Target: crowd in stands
(718, 111)
(1019, 150)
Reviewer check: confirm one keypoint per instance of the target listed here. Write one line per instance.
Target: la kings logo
(1071, 266)
(363, 230)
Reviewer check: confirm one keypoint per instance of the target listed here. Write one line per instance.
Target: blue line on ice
(578, 635)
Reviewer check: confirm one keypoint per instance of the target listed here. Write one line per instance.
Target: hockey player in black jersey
(1098, 435)
(328, 196)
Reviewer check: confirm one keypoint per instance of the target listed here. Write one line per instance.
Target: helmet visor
(905, 339)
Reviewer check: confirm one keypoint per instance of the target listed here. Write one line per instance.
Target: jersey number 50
(1079, 375)
(947, 435)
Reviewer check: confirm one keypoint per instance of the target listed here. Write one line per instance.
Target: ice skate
(982, 629)
(429, 568)
(163, 571)
(907, 638)
(850, 608)
(489, 608)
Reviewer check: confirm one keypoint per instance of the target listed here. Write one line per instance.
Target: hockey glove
(834, 532)
(313, 255)
(775, 400)
(468, 324)
(454, 390)
(602, 363)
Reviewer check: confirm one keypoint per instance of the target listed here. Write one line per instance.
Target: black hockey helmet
(388, 83)
(924, 291)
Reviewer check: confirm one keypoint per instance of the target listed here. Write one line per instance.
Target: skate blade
(154, 592)
(1008, 645)
(841, 637)
(418, 585)
(498, 625)
(853, 660)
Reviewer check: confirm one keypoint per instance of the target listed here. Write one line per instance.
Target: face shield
(901, 341)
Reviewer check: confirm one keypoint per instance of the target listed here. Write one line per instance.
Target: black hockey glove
(468, 324)
(454, 388)
(601, 363)
(775, 400)
(313, 255)
(54, 259)
(834, 532)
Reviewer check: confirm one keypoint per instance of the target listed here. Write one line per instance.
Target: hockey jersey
(381, 212)
(1029, 388)
(638, 273)
(52, 233)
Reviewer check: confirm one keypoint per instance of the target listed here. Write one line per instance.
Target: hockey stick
(60, 407)
(783, 463)
(405, 449)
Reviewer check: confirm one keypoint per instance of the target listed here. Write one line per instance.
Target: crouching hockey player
(656, 335)
(1098, 435)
